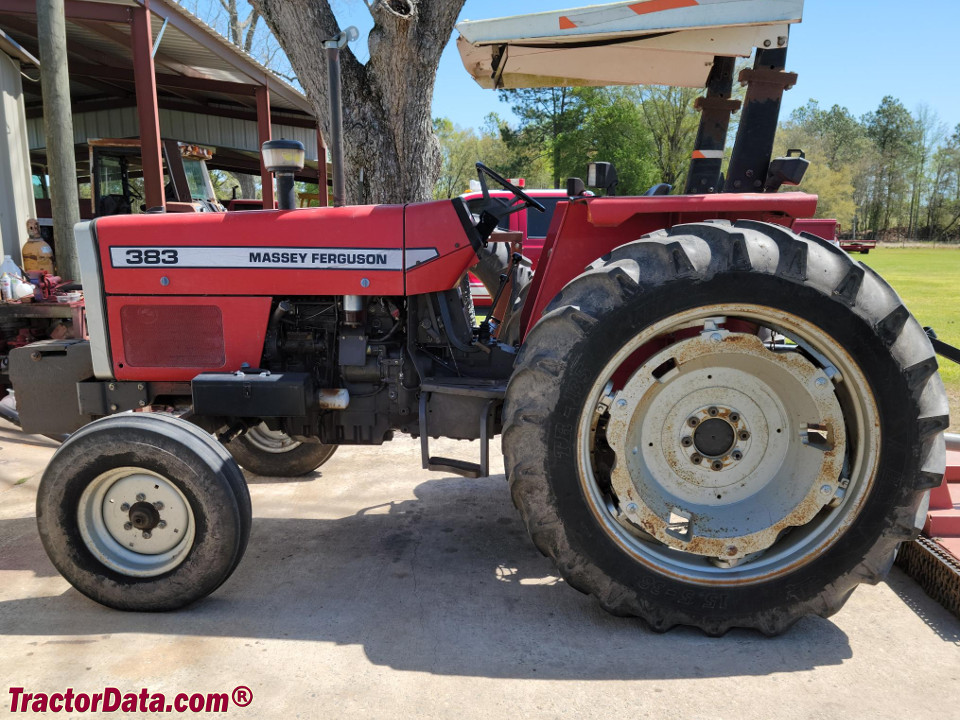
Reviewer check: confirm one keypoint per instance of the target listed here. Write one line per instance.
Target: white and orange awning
(662, 42)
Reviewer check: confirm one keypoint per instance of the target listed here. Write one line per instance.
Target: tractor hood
(651, 42)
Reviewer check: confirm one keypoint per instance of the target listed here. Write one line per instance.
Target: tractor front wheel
(724, 426)
(143, 512)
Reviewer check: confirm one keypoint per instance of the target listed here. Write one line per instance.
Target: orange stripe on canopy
(654, 6)
(566, 23)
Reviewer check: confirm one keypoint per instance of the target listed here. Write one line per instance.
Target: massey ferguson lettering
(320, 259)
(275, 258)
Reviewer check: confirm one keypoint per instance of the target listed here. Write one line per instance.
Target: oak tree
(390, 151)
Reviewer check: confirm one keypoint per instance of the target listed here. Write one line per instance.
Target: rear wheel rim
(270, 441)
(667, 483)
(136, 522)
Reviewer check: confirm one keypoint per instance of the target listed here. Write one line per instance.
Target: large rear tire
(272, 453)
(724, 426)
(143, 512)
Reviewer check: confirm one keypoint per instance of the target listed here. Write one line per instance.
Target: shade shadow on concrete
(448, 583)
(945, 625)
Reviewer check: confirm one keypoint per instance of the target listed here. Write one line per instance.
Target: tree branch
(252, 20)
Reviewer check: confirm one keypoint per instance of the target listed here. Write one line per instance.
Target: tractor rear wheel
(143, 512)
(273, 453)
(724, 426)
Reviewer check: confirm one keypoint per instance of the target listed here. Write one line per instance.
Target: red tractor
(707, 419)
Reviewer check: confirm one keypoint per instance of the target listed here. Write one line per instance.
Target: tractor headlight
(283, 156)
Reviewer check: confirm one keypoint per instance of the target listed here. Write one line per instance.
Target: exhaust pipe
(333, 47)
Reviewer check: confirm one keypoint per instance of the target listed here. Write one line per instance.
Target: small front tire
(143, 512)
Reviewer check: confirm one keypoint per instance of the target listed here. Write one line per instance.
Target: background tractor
(707, 418)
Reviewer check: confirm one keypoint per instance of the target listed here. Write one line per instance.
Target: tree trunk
(248, 188)
(390, 151)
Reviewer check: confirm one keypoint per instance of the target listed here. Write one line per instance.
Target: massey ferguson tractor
(707, 419)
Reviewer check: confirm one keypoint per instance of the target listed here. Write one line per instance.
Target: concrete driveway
(375, 589)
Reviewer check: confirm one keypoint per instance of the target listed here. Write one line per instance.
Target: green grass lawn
(928, 280)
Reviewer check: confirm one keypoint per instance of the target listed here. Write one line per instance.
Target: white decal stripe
(289, 258)
(420, 256)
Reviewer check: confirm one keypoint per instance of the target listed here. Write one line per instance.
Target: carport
(149, 68)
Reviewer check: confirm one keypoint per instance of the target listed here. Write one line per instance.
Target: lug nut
(141, 497)
(734, 418)
(128, 526)
(744, 435)
(158, 505)
(146, 534)
(693, 422)
(696, 459)
(717, 465)
(738, 456)
(713, 412)
(125, 507)
(162, 524)
(687, 441)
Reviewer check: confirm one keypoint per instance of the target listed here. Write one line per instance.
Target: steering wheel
(493, 210)
(483, 170)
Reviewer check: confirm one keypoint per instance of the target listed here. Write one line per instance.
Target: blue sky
(847, 52)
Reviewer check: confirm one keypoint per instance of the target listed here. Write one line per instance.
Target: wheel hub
(136, 522)
(729, 448)
(714, 438)
(144, 516)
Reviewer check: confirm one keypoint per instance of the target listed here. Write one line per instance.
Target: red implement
(943, 520)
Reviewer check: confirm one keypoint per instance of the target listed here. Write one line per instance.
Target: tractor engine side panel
(440, 247)
(177, 338)
(317, 251)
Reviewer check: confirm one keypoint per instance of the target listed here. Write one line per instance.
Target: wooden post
(58, 128)
(264, 134)
(141, 41)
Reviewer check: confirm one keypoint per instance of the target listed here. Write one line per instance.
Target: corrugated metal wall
(183, 126)
(16, 192)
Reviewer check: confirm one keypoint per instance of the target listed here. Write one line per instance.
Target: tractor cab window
(111, 177)
(114, 194)
(198, 179)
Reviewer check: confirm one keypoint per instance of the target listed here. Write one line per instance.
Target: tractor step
(468, 387)
(492, 391)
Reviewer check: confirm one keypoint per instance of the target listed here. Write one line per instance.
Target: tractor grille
(173, 336)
